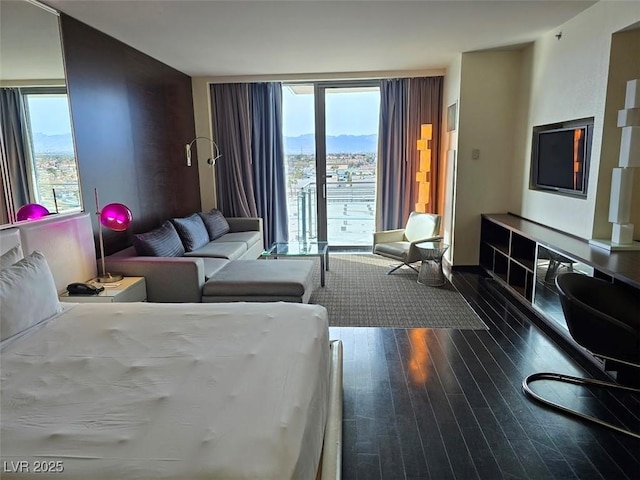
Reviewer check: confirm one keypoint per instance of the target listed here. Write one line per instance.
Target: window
(52, 164)
(331, 137)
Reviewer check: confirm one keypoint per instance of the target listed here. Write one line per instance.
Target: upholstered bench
(261, 281)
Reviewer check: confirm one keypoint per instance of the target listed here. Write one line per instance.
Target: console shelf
(508, 255)
(526, 257)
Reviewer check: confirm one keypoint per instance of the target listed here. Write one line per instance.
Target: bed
(180, 391)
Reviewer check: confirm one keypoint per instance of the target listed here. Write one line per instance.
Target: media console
(525, 257)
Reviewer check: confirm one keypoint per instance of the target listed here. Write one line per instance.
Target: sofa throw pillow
(192, 232)
(215, 223)
(161, 242)
(28, 295)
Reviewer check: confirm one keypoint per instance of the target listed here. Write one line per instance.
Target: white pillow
(28, 295)
(10, 257)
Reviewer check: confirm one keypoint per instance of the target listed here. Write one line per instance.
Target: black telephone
(83, 289)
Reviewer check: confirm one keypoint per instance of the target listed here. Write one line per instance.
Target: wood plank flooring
(448, 404)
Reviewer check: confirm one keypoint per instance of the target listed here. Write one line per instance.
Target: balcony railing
(350, 212)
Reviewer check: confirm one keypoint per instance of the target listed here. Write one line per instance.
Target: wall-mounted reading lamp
(211, 161)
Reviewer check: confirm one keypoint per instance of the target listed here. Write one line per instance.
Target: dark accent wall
(132, 116)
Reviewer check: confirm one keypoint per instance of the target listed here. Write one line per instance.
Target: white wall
(569, 81)
(449, 143)
(203, 124)
(488, 120)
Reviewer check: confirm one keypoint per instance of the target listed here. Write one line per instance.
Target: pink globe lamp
(116, 217)
(31, 211)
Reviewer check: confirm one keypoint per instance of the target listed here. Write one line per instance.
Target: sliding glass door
(331, 139)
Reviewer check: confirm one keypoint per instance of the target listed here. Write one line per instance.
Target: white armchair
(400, 244)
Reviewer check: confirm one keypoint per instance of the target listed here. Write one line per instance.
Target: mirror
(38, 156)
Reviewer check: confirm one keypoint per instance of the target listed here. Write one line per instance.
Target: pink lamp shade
(31, 211)
(116, 216)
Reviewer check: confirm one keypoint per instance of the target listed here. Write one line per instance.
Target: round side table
(431, 273)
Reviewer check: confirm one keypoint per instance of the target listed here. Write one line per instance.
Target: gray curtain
(268, 160)
(405, 104)
(232, 133)
(16, 155)
(392, 197)
(424, 106)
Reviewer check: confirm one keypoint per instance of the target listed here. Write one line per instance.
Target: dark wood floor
(447, 404)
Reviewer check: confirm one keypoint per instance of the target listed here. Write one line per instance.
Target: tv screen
(560, 160)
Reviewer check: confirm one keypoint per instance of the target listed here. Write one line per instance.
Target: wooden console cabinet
(525, 256)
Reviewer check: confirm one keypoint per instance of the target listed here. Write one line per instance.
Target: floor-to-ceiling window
(54, 174)
(331, 137)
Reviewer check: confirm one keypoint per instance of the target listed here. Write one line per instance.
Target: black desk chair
(605, 319)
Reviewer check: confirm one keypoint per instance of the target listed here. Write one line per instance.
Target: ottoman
(261, 281)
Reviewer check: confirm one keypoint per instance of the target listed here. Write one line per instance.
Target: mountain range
(335, 144)
(63, 144)
(53, 144)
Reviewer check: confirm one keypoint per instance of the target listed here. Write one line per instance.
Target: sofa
(180, 275)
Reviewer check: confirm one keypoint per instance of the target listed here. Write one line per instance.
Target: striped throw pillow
(192, 232)
(215, 223)
(161, 242)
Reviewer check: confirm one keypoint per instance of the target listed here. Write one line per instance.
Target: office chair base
(402, 265)
(558, 377)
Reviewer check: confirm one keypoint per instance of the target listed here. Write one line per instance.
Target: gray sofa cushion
(250, 238)
(218, 249)
(192, 232)
(161, 242)
(261, 278)
(213, 265)
(215, 223)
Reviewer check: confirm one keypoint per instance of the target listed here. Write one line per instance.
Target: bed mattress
(189, 391)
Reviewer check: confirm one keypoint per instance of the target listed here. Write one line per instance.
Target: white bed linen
(120, 391)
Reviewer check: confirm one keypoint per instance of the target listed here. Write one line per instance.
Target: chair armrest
(388, 236)
(245, 224)
(430, 239)
(168, 279)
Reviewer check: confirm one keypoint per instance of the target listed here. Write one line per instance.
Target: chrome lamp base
(109, 278)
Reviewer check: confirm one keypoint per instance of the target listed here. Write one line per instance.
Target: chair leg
(402, 265)
(394, 269)
(558, 377)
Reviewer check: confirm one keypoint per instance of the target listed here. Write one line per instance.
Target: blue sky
(49, 114)
(347, 113)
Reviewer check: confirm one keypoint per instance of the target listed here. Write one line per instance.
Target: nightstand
(129, 289)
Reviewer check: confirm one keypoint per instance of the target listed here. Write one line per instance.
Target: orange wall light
(423, 175)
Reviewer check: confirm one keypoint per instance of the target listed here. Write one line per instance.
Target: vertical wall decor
(622, 177)
(423, 175)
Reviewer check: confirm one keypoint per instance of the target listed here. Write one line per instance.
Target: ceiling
(29, 43)
(305, 37)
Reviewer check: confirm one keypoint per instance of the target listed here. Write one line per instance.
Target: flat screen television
(560, 159)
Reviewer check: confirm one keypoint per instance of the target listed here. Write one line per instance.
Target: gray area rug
(358, 293)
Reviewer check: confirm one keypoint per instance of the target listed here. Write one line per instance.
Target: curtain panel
(392, 195)
(424, 106)
(405, 104)
(16, 156)
(268, 160)
(250, 179)
(231, 113)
